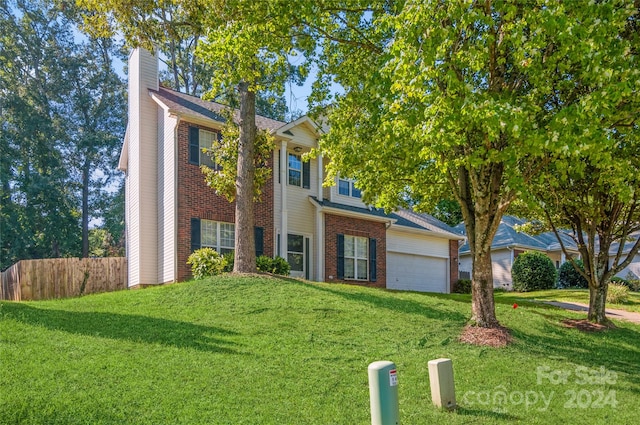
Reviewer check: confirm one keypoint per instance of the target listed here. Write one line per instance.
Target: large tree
(248, 44)
(39, 217)
(463, 96)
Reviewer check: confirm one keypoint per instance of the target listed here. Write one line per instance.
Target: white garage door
(416, 272)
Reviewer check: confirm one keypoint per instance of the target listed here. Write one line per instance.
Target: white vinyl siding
(412, 243)
(501, 261)
(167, 198)
(301, 214)
(142, 246)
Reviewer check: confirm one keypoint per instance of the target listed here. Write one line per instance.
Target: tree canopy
(468, 97)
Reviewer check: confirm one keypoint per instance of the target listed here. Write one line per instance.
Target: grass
(278, 351)
(573, 295)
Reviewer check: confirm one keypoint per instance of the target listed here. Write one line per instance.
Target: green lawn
(572, 295)
(271, 351)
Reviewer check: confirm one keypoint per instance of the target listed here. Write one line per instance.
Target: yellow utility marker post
(443, 391)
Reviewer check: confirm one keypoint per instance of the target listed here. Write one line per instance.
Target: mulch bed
(585, 325)
(490, 337)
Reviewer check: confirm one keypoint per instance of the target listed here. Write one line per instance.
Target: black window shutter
(194, 145)
(279, 166)
(306, 175)
(195, 234)
(340, 271)
(306, 258)
(372, 260)
(259, 236)
(278, 245)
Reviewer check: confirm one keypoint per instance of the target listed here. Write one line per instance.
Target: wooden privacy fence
(62, 277)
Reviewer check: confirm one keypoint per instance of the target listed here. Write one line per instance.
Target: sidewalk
(611, 313)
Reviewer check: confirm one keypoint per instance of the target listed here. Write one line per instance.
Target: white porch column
(284, 161)
(320, 226)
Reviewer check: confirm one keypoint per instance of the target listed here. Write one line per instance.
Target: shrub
(205, 262)
(634, 285)
(568, 277)
(276, 265)
(619, 280)
(617, 293)
(463, 286)
(229, 259)
(532, 271)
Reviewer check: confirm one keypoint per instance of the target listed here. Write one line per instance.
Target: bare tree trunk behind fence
(62, 277)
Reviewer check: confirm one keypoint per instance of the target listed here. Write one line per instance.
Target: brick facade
(197, 200)
(453, 265)
(334, 225)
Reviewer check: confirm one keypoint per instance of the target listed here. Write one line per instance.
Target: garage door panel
(416, 272)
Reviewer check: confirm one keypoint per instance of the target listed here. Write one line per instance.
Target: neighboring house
(325, 233)
(508, 243)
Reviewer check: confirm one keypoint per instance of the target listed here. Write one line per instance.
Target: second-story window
(295, 170)
(206, 140)
(346, 187)
(201, 141)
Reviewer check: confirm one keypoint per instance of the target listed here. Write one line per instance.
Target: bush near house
(568, 277)
(277, 265)
(533, 271)
(206, 262)
(463, 286)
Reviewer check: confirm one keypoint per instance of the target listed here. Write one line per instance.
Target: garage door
(416, 272)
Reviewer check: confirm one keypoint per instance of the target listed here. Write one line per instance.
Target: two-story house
(326, 233)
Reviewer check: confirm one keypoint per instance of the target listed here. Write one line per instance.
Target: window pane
(295, 178)
(295, 170)
(349, 247)
(227, 235)
(208, 233)
(349, 272)
(296, 262)
(295, 162)
(206, 140)
(295, 243)
(361, 250)
(355, 192)
(343, 187)
(224, 251)
(362, 269)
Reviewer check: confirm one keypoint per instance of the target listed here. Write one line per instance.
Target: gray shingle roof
(184, 104)
(402, 217)
(507, 236)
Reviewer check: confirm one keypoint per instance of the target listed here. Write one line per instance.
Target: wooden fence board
(62, 277)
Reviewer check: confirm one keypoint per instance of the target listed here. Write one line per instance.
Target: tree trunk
(482, 303)
(597, 303)
(478, 192)
(85, 208)
(245, 256)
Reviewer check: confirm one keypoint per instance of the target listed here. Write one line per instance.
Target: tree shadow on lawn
(614, 349)
(392, 303)
(132, 328)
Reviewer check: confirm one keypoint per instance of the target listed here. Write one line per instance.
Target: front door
(296, 255)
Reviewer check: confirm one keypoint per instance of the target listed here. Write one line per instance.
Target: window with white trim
(218, 235)
(356, 257)
(206, 140)
(295, 170)
(347, 187)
